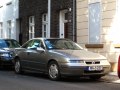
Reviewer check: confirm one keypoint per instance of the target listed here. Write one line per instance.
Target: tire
(53, 71)
(1, 66)
(95, 77)
(17, 67)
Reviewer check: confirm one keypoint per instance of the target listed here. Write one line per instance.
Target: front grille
(92, 62)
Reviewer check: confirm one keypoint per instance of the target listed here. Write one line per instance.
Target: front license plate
(95, 68)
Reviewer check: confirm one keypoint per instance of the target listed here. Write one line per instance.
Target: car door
(24, 55)
(36, 58)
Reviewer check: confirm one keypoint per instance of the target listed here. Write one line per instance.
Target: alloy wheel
(17, 67)
(53, 71)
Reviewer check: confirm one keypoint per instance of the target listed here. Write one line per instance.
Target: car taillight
(119, 67)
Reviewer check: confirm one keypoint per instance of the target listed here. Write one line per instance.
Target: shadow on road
(63, 79)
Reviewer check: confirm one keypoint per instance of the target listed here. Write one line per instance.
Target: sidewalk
(115, 77)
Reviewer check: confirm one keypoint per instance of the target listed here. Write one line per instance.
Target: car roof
(46, 38)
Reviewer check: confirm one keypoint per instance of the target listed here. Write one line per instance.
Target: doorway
(63, 30)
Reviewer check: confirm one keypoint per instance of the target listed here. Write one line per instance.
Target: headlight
(76, 61)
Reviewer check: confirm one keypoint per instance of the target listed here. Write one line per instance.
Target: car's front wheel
(18, 69)
(53, 71)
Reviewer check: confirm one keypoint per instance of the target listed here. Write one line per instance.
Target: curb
(114, 75)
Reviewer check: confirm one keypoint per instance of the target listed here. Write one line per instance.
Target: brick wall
(37, 8)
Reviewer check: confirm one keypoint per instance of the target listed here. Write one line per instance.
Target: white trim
(49, 18)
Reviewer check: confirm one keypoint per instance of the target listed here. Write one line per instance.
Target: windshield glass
(61, 44)
(9, 44)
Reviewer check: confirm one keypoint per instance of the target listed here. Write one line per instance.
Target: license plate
(95, 68)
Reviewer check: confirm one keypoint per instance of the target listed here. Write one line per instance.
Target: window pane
(94, 23)
(44, 25)
(31, 27)
(1, 30)
(9, 29)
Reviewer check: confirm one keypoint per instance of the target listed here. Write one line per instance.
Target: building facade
(9, 19)
(94, 24)
(47, 18)
(98, 27)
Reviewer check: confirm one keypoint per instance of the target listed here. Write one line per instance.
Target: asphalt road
(29, 81)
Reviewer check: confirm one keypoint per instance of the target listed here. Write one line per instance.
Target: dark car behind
(7, 51)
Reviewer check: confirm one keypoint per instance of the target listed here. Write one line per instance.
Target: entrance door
(63, 30)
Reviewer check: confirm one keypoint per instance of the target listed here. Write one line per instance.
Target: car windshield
(9, 44)
(61, 44)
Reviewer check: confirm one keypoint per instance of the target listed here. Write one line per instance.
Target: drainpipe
(49, 18)
(74, 21)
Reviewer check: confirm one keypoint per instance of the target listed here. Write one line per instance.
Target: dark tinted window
(61, 44)
(9, 44)
(33, 44)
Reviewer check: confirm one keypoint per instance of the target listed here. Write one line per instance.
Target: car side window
(38, 43)
(28, 44)
(33, 44)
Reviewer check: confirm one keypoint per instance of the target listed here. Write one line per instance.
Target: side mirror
(40, 49)
(32, 48)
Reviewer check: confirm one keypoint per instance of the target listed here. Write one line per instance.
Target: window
(31, 27)
(33, 44)
(94, 23)
(9, 28)
(44, 25)
(1, 30)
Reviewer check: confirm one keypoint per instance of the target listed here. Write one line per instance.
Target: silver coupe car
(59, 57)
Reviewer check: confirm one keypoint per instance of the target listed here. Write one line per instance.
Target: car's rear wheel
(53, 71)
(95, 77)
(18, 69)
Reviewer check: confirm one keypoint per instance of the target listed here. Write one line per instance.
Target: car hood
(79, 54)
(6, 49)
(3, 50)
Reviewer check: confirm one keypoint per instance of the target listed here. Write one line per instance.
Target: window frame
(1, 30)
(44, 25)
(31, 27)
(9, 29)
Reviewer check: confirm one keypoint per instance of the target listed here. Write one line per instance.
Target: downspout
(49, 18)
(74, 21)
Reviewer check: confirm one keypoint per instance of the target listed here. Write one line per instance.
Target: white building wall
(9, 10)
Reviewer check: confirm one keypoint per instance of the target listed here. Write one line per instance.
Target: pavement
(112, 77)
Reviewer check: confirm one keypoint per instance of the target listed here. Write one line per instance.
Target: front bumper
(81, 71)
(6, 61)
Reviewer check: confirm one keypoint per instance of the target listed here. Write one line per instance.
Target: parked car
(7, 47)
(59, 57)
(119, 67)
